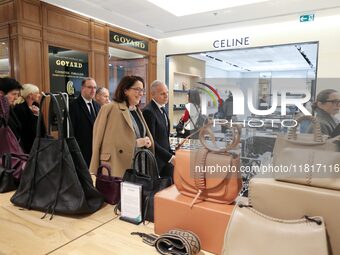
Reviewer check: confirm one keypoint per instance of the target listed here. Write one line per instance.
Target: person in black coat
(158, 122)
(83, 113)
(10, 88)
(27, 111)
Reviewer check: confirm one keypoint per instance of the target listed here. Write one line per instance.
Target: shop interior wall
(183, 71)
(274, 31)
(31, 25)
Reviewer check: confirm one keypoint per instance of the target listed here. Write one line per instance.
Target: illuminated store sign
(231, 42)
(67, 69)
(128, 41)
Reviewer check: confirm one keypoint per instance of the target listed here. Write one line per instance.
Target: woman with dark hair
(10, 89)
(192, 113)
(325, 108)
(120, 128)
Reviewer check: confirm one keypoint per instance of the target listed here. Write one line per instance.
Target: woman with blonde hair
(27, 110)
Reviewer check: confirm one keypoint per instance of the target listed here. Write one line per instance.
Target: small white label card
(131, 202)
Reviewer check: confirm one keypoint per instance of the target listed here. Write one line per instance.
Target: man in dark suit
(83, 113)
(159, 125)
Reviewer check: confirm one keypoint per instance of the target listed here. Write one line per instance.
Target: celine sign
(128, 41)
(231, 42)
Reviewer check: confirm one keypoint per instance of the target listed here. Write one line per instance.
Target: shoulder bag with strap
(193, 178)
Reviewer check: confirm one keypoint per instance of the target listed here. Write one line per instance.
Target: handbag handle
(154, 174)
(292, 133)
(236, 132)
(59, 118)
(67, 114)
(4, 111)
(100, 169)
(7, 161)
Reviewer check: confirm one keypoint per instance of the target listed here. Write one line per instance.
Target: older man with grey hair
(158, 122)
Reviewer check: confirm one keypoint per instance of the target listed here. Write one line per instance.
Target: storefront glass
(122, 63)
(4, 58)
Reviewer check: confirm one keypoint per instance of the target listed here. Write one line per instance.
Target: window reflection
(4, 59)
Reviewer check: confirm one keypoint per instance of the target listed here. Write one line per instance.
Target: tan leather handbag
(309, 159)
(209, 173)
(250, 232)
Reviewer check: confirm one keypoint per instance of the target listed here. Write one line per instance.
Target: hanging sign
(128, 41)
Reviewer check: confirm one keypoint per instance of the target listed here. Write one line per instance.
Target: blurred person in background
(191, 115)
(26, 108)
(159, 124)
(102, 96)
(325, 108)
(10, 89)
(83, 113)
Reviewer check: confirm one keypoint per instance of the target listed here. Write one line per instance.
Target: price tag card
(131, 202)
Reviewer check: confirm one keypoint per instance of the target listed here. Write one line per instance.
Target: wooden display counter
(24, 232)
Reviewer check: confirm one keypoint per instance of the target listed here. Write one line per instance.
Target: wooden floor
(24, 232)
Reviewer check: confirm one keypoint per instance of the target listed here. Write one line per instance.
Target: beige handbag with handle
(309, 159)
(250, 232)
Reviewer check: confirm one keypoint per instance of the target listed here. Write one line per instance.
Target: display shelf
(180, 91)
(188, 74)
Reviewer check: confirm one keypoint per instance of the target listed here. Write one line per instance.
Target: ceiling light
(188, 7)
(265, 61)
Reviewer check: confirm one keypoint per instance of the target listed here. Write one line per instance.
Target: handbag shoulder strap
(4, 109)
(199, 177)
(150, 160)
(59, 116)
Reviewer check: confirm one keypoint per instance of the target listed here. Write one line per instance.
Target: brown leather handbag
(209, 173)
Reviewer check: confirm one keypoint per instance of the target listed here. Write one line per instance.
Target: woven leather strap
(176, 242)
(292, 135)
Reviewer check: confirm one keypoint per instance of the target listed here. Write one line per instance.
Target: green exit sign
(307, 17)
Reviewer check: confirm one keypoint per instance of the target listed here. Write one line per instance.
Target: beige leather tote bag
(309, 159)
(250, 232)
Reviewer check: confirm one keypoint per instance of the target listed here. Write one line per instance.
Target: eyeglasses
(139, 90)
(334, 101)
(91, 87)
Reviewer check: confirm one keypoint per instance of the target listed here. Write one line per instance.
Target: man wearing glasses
(83, 113)
(326, 107)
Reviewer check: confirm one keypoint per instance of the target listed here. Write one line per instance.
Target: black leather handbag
(7, 179)
(145, 173)
(56, 178)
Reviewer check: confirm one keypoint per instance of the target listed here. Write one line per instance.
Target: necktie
(165, 115)
(92, 113)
